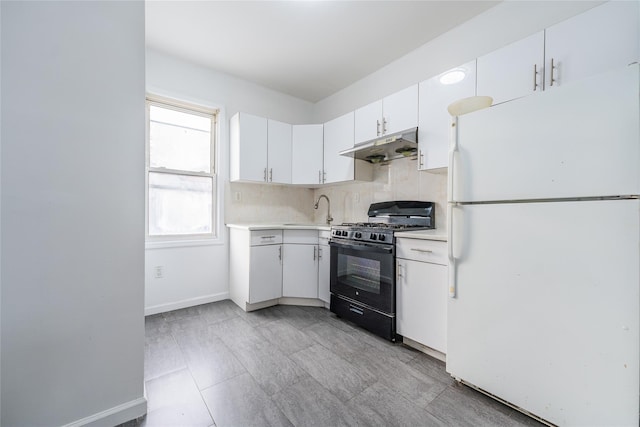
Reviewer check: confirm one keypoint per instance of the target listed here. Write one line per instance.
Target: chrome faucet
(329, 219)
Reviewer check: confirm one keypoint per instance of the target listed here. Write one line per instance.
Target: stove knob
(381, 237)
(373, 236)
(342, 233)
(358, 235)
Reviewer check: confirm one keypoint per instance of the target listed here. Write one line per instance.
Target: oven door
(364, 272)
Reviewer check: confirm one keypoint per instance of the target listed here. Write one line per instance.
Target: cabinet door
(368, 122)
(279, 152)
(400, 111)
(512, 71)
(434, 122)
(338, 136)
(601, 39)
(306, 166)
(265, 273)
(324, 259)
(421, 303)
(248, 147)
(300, 271)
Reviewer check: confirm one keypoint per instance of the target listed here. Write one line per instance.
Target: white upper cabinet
(248, 141)
(601, 39)
(392, 114)
(368, 120)
(279, 152)
(434, 121)
(400, 111)
(260, 149)
(513, 71)
(338, 136)
(307, 155)
(598, 40)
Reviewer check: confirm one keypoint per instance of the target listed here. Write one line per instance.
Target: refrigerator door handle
(453, 142)
(452, 259)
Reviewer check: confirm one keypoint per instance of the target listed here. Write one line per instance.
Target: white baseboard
(114, 416)
(423, 348)
(309, 302)
(162, 308)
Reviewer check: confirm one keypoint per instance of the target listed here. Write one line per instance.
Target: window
(181, 180)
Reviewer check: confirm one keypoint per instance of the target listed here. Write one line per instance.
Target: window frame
(183, 107)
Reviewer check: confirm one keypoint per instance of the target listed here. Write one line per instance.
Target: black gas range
(363, 270)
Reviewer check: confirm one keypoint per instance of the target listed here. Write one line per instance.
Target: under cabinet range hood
(394, 146)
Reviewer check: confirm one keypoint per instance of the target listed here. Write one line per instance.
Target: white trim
(117, 415)
(307, 302)
(162, 308)
(164, 244)
(423, 348)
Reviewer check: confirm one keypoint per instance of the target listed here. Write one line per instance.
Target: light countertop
(439, 234)
(286, 226)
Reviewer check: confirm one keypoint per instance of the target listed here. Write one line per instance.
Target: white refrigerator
(545, 251)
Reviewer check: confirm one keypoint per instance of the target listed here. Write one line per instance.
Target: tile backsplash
(398, 180)
(267, 203)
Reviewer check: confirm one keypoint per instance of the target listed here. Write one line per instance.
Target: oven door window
(364, 274)
(359, 273)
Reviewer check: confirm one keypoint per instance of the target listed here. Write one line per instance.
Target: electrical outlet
(237, 196)
(159, 270)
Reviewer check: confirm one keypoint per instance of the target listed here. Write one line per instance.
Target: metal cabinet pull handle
(378, 127)
(324, 176)
(268, 237)
(425, 251)
(421, 161)
(319, 253)
(356, 310)
(319, 177)
(264, 177)
(400, 271)
(314, 253)
(384, 126)
(535, 77)
(553, 67)
(280, 253)
(271, 174)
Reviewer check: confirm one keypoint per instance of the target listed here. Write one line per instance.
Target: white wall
(505, 23)
(199, 274)
(72, 195)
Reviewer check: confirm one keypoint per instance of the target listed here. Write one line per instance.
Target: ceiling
(307, 49)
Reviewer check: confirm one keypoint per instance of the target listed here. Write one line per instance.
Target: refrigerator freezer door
(547, 309)
(579, 140)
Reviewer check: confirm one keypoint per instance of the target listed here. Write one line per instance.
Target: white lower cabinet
(267, 265)
(324, 263)
(300, 271)
(255, 266)
(266, 273)
(300, 264)
(421, 292)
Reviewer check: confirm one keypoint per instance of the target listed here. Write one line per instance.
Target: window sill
(164, 244)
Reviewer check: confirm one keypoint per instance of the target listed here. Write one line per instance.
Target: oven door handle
(363, 247)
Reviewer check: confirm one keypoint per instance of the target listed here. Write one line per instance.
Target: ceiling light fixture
(453, 76)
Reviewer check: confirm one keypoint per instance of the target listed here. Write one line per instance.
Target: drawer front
(266, 237)
(422, 250)
(303, 237)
